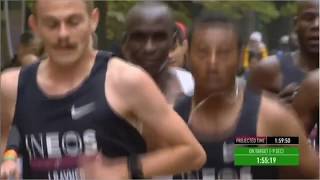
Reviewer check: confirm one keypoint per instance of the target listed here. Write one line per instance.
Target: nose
(316, 22)
(149, 47)
(171, 54)
(63, 31)
(213, 60)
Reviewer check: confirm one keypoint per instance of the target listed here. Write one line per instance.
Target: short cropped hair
(89, 5)
(214, 19)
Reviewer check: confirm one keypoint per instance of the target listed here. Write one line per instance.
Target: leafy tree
(289, 9)
(117, 11)
(266, 10)
(253, 15)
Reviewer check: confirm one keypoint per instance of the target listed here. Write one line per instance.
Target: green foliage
(288, 10)
(181, 11)
(117, 11)
(265, 10)
(116, 14)
(29, 3)
(262, 12)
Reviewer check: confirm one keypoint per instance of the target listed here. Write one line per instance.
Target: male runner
(148, 39)
(222, 108)
(283, 75)
(79, 101)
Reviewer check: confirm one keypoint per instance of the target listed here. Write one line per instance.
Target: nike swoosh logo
(79, 112)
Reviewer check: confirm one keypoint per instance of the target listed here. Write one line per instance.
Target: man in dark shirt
(223, 108)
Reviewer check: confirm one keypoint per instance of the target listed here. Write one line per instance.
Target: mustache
(64, 44)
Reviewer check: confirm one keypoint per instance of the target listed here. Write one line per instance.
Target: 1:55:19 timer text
(266, 160)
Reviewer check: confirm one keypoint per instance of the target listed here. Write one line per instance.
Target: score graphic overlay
(267, 155)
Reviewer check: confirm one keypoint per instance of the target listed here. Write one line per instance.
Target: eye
(202, 53)
(174, 46)
(223, 51)
(203, 50)
(137, 36)
(160, 36)
(74, 20)
(51, 23)
(308, 16)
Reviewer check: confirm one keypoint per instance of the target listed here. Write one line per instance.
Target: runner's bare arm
(9, 86)
(280, 121)
(8, 96)
(144, 101)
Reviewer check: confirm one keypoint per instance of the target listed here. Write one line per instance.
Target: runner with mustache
(83, 104)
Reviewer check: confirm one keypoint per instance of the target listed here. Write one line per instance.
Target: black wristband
(134, 167)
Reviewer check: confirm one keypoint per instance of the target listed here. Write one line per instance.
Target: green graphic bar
(266, 156)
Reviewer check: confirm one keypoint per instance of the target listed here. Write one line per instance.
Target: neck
(161, 79)
(73, 72)
(307, 61)
(217, 99)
